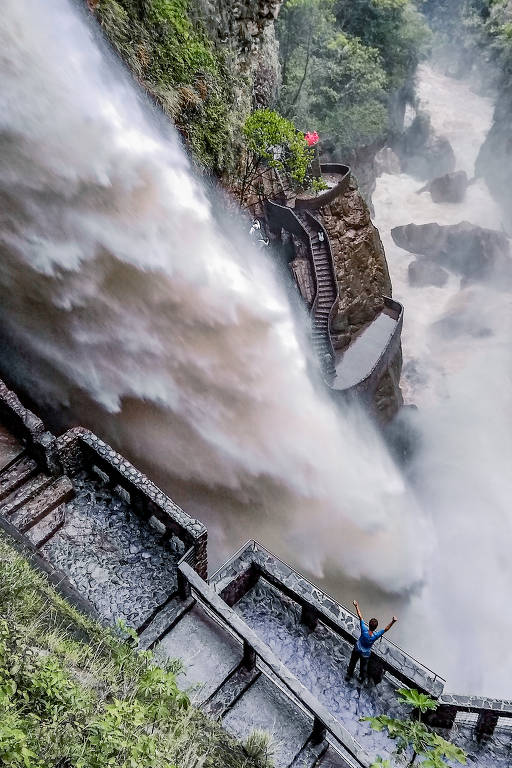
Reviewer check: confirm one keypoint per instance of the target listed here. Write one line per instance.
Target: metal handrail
(323, 721)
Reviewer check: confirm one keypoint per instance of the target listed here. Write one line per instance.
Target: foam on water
(458, 370)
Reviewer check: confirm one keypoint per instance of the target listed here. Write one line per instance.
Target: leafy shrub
(411, 734)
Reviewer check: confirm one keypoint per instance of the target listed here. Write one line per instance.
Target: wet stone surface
(116, 560)
(10, 447)
(319, 660)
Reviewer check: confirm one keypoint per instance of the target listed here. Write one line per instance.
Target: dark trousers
(355, 657)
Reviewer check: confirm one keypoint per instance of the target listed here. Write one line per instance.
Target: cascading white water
(125, 302)
(458, 370)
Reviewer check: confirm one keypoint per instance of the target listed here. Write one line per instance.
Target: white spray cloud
(125, 301)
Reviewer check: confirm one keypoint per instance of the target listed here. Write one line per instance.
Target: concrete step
(42, 531)
(164, 620)
(209, 653)
(264, 706)
(10, 448)
(16, 474)
(24, 493)
(230, 691)
(334, 759)
(58, 492)
(310, 754)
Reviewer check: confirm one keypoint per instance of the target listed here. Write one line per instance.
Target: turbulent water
(128, 307)
(458, 370)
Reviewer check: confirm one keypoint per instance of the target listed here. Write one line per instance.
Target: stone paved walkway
(115, 560)
(319, 660)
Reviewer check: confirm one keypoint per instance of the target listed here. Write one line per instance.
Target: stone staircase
(327, 290)
(32, 501)
(235, 678)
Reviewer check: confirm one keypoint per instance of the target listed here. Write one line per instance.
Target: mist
(457, 371)
(124, 305)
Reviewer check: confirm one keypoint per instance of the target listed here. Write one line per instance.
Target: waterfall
(458, 370)
(130, 309)
(127, 306)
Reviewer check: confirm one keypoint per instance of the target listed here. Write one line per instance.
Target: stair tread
(265, 706)
(51, 496)
(15, 474)
(164, 621)
(39, 533)
(21, 495)
(310, 754)
(208, 652)
(230, 691)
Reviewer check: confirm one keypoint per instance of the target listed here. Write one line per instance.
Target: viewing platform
(262, 647)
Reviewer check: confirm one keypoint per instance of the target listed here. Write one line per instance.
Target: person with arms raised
(363, 648)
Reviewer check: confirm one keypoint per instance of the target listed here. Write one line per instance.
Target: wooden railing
(254, 648)
(322, 259)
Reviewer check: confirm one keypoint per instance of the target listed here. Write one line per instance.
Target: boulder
(423, 153)
(424, 272)
(450, 188)
(386, 161)
(466, 249)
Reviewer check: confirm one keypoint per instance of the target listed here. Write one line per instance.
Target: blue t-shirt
(365, 642)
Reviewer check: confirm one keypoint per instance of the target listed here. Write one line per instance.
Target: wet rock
(450, 188)
(363, 280)
(387, 161)
(423, 153)
(424, 272)
(464, 248)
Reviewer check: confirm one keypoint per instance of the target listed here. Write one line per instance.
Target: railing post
(309, 616)
(249, 657)
(184, 590)
(319, 731)
(486, 723)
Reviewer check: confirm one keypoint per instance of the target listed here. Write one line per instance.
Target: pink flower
(311, 138)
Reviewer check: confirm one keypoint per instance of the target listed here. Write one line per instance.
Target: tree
(343, 59)
(416, 735)
(272, 141)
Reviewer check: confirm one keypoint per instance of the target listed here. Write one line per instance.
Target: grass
(74, 695)
(194, 80)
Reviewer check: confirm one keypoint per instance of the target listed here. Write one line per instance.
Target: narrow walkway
(364, 353)
(326, 290)
(359, 368)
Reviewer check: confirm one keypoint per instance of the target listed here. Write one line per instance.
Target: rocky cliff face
(495, 158)
(363, 279)
(247, 28)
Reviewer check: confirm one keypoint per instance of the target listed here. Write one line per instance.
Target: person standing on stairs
(363, 648)
(321, 236)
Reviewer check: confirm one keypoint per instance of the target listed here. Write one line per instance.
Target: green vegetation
(73, 695)
(410, 733)
(183, 70)
(343, 63)
(474, 32)
(272, 141)
(260, 747)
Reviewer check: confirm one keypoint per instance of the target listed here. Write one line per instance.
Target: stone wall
(363, 280)
(246, 27)
(28, 428)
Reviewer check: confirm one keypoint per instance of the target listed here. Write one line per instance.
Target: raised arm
(360, 615)
(393, 620)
